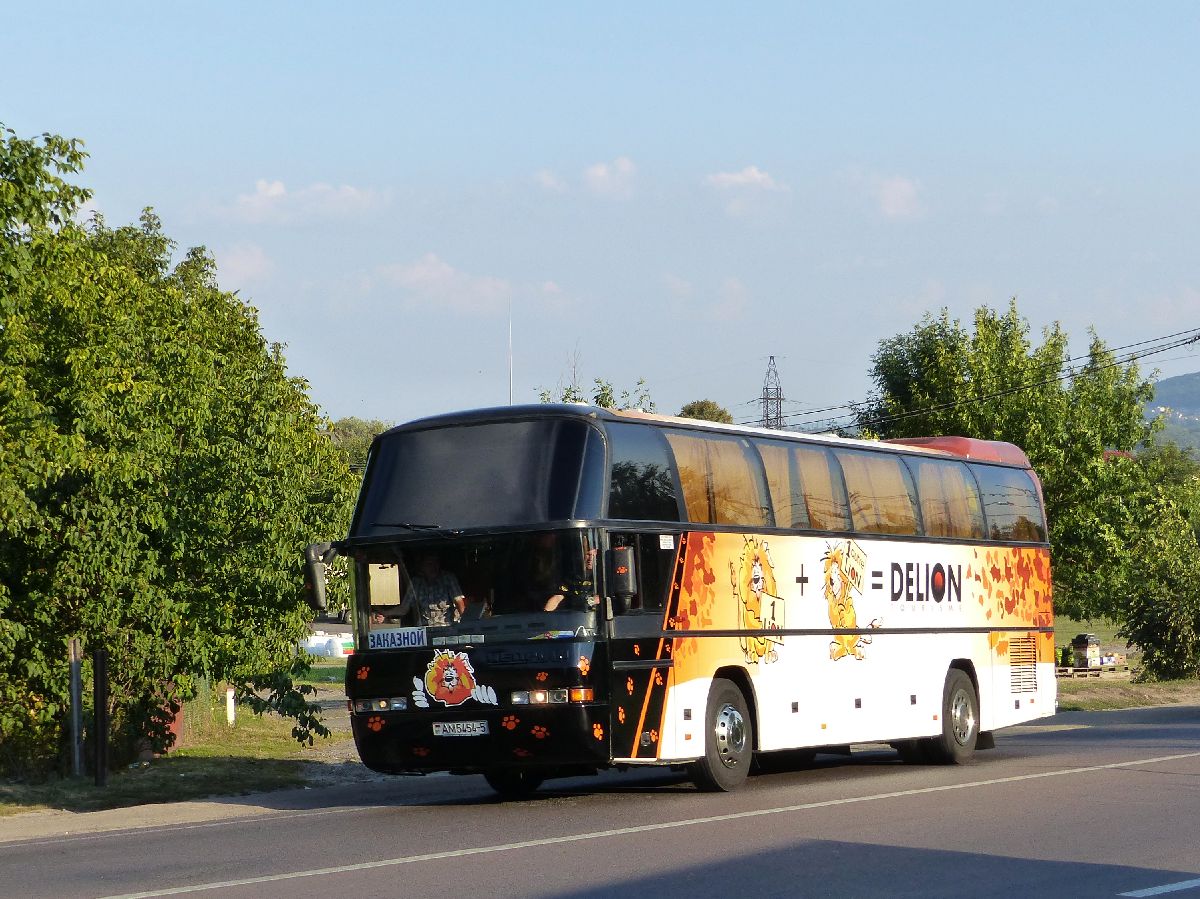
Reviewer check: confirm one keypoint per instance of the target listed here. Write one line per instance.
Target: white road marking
(646, 828)
(1165, 888)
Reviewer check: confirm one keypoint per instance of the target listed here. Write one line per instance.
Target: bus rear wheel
(728, 740)
(960, 722)
(513, 783)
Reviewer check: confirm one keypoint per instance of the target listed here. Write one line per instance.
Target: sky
(672, 192)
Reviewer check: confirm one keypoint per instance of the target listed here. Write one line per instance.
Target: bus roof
(994, 451)
(970, 448)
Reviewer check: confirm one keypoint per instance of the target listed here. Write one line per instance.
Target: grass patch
(211, 759)
(1067, 629)
(1101, 694)
(325, 672)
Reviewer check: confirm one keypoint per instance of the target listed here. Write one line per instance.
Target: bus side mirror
(315, 556)
(622, 575)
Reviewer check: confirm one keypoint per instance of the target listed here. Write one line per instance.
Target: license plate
(460, 728)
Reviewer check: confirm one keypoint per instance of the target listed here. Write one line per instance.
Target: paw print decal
(542, 675)
(585, 665)
(363, 672)
(510, 722)
(658, 678)
(629, 685)
(375, 722)
(540, 732)
(653, 736)
(637, 649)
(621, 714)
(598, 731)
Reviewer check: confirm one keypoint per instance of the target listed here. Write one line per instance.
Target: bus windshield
(446, 582)
(481, 474)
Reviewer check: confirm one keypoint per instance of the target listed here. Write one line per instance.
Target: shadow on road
(822, 868)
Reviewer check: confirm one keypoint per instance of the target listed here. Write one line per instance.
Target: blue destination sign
(397, 638)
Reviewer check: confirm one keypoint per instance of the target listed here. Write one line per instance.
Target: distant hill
(1179, 398)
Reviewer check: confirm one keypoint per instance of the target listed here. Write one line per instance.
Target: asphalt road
(1084, 804)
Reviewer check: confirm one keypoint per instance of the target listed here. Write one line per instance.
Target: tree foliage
(353, 436)
(1113, 545)
(160, 473)
(706, 410)
(603, 394)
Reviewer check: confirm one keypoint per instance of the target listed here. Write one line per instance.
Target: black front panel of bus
(451, 694)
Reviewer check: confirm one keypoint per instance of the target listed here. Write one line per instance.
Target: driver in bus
(435, 594)
(578, 592)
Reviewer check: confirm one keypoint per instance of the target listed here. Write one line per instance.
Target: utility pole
(772, 399)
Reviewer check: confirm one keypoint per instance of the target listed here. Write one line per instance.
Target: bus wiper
(407, 525)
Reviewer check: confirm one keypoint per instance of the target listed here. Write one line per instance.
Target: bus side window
(881, 492)
(655, 566)
(824, 495)
(783, 484)
(1010, 502)
(950, 504)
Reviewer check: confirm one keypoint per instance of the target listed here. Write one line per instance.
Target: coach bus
(631, 589)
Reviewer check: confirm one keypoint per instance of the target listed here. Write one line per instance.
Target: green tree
(159, 473)
(603, 394)
(1078, 427)
(706, 410)
(1162, 609)
(353, 436)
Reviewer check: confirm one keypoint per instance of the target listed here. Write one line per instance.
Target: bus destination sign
(397, 638)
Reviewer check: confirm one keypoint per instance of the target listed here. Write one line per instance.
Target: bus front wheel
(960, 722)
(513, 783)
(728, 740)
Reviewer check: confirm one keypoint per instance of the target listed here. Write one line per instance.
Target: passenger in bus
(435, 594)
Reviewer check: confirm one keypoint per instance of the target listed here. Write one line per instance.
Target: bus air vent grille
(1022, 656)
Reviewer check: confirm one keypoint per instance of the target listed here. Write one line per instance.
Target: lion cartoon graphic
(450, 679)
(843, 567)
(753, 579)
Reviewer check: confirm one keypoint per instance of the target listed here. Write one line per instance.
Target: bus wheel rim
(962, 717)
(730, 732)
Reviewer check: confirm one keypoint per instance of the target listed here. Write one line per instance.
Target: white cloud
(1048, 205)
(679, 287)
(549, 180)
(898, 197)
(611, 179)
(1178, 307)
(994, 203)
(551, 297)
(929, 297)
(732, 300)
(243, 262)
(746, 190)
(272, 202)
(751, 177)
(432, 281)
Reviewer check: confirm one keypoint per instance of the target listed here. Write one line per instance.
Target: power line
(1187, 337)
(1124, 360)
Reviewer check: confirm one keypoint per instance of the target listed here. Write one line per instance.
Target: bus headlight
(383, 704)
